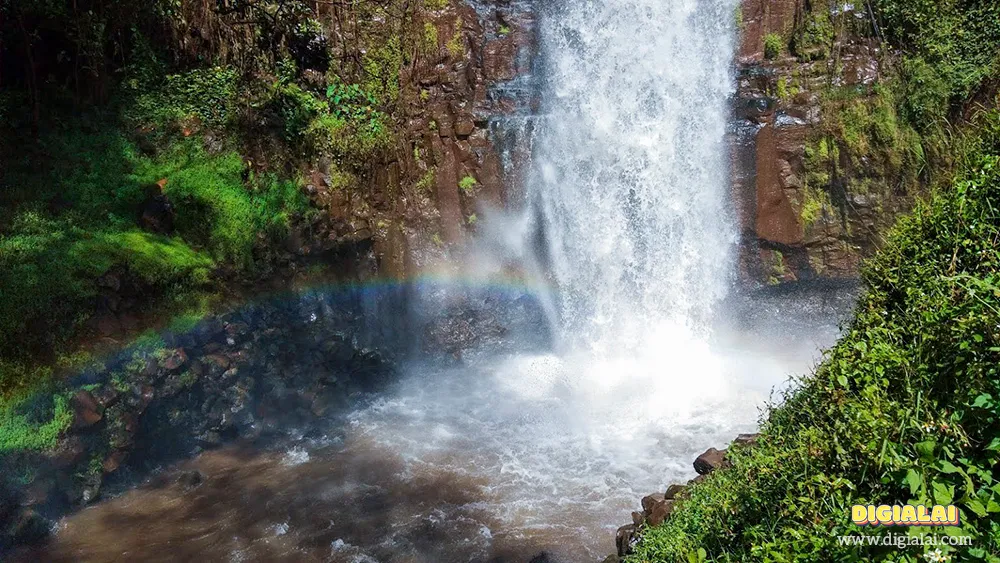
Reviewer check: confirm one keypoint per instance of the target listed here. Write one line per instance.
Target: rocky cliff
(813, 195)
(454, 156)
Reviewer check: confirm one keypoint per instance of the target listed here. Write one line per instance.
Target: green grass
(33, 423)
(76, 220)
(904, 409)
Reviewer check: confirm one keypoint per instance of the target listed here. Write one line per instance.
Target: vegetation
(161, 154)
(905, 409)
(467, 184)
(773, 45)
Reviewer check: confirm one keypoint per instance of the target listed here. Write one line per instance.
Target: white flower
(936, 556)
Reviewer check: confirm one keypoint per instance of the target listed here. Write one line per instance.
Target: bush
(773, 45)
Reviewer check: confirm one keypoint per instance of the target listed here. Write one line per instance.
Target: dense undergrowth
(111, 109)
(905, 409)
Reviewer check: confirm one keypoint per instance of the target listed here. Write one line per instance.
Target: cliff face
(807, 208)
(425, 200)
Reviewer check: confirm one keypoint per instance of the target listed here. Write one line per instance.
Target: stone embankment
(657, 507)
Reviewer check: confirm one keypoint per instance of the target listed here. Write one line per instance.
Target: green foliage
(951, 47)
(76, 219)
(426, 182)
(34, 422)
(904, 409)
(435, 5)
(773, 45)
(814, 38)
(467, 184)
(208, 95)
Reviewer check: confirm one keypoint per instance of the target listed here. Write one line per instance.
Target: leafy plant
(773, 45)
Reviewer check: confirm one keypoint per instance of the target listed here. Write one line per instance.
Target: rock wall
(450, 163)
(797, 222)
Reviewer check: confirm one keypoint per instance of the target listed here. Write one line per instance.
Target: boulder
(673, 491)
(86, 411)
(625, 539)
(174, 359)
(746, 439)
(661, 511)
(649, 501)
(638, 518)
(613, 558)
(30, 528)
(709, 461)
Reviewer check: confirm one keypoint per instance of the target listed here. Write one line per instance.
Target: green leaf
(925, 450)
(977, 507)
(948, 468)
(842, 380)
(943, 493)
(914, 480)
(983, 400)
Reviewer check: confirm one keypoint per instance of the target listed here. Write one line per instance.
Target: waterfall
(629, 182)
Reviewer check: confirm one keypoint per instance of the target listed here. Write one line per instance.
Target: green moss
(467, 184)
(773, 45)
(430, 39)
(435, 5)
(814, 202)
(456, 45)
(33, 423)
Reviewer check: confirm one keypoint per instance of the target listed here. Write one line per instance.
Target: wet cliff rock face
(425, 200)
(803, 215)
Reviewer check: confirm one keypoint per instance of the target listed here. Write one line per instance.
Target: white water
(630, 174)
(629, 187)
(502, 458)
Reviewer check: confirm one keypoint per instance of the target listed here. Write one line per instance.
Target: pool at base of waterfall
(498, 457)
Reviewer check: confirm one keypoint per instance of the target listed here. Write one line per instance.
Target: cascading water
(630, 178)
(505, 455)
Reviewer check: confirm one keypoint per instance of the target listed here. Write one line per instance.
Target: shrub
(773, 44)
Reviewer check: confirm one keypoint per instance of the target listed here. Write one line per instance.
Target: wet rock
(661, 511)
(106, 396)
(30, 528)
(175, 359)
(190, 479)
(114, 461)
(709, 461)
(625, 539)
(638, 518)
(86, 411)
(541, 558)
(69, 453)
(649, 501)
(746, 439)
(673, 491)
(613, 558)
